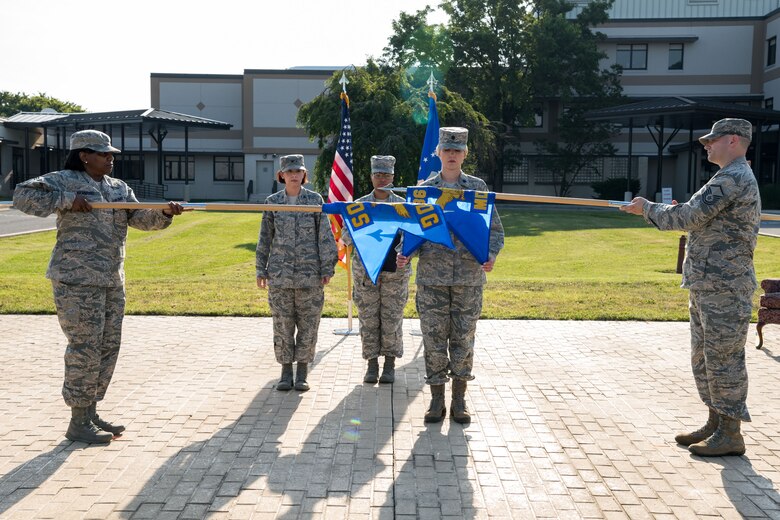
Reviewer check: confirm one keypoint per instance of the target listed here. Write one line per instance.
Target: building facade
(215, 137)
(722, 51)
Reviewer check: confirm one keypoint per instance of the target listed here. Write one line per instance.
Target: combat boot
(286, 381)
(727, 440)
(388, 370)
(436, 410)
(300, 377)
(81, 428)
(458, 410)
(115, 429)
(686, 439)
(372, 372)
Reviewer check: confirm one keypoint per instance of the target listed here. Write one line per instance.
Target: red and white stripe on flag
(340, 188)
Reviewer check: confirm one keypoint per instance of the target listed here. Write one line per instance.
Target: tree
(564, 58)
(506, 54)
(388, 114)
(418, 47)
(11, 103)
(575, 147)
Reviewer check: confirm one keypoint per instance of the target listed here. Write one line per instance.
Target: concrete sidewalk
(571, 420)
(13, 222)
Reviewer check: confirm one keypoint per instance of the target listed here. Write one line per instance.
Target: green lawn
(556, 264)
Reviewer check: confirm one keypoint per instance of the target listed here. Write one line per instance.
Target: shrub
(613, 189)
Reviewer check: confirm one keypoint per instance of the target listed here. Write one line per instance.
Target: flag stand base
(345, 332)
(348, 331)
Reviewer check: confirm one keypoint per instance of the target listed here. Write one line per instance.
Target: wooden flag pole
(543, 199)
(208, 206)
(349, 288)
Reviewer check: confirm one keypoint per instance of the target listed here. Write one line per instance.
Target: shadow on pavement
(27, 477)
(258, 463)
(751, 493)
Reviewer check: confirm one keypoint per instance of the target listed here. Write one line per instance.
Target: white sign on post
(666, 195)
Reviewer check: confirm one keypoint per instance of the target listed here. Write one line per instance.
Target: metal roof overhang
(681, 112)
(683, 38)
(150, 118)
(672, 114)
(132, 123)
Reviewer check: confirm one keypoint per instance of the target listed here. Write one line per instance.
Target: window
(769, 103)
(771, 51)
(538, 115)
(174, 168)
(675, 56)
(128, 166)
(228, 168)
(618, 168)
(517, 173)
(632, 56)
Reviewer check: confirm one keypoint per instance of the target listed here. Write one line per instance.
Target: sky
(100, 54)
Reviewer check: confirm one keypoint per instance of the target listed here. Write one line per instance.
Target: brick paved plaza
(571, 420)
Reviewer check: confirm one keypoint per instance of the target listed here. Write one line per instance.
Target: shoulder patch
(712, 194)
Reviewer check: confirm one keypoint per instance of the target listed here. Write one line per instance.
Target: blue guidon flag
(429, 161)
(468, 214)
(374, 225)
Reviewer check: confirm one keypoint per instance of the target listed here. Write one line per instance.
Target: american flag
(341, 180)
(429, 161)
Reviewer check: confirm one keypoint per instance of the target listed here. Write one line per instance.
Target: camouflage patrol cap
(93, 140)
(729, 126)
(291, 162)
(453, 138)
(382, 164)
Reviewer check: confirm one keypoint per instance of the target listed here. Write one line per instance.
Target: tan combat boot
(388, 370)
(686, 439)
(301, 373)
(106, 426)
(458, 410)
(436, 410)
(286, 381)
(727, 440)
(81, 428)
(372, 372)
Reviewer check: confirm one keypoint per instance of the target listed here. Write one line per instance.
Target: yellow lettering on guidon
(428, 216)
(418, 196)
(358, 216)
(480, 201)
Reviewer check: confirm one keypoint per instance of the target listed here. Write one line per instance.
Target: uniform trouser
(448, 321)
(291, 309)
(381, 313)
(719, 327)
(91, 318)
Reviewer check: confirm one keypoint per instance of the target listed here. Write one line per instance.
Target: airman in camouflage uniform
(87, 270)
(296, 257)
(381, 306)
(722, 220)
(449, 289)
